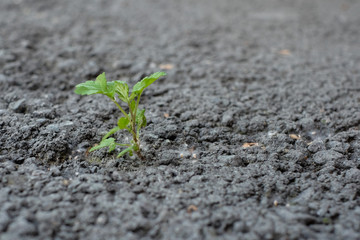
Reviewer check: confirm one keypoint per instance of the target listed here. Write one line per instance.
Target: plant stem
(134, 132)
(123, 145)
(137, 103)
(122, 110)
(136, 107)
(126, 115)
(138, 153)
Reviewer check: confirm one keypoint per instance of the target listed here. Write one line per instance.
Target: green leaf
(88, 88)
(127, 150)
(110, 90)
(112, 147)
(123, 122)
(101, 81)
(144, 83)
(122, 89)
(112, 131)
(132, 105)
(99, 86)
(140, 118)
(109, 142)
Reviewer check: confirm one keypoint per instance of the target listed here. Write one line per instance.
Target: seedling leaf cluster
(133, 120)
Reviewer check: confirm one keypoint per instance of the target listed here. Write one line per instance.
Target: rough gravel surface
(253, 134)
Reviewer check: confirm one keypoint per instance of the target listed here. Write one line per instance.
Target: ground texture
(253, 134)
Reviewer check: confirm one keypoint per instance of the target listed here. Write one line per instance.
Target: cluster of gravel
(253, 134)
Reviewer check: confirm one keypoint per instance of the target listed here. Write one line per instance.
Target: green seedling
(132, 121)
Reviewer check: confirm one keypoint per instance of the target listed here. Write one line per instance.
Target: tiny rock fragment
(272, 133)
(194, 155)
(166, 115)
(88, 151)
(294, 136)
(65, 182)
(18, 106)
(152, 65)
(192, 208)
(167, 66)
(102, 219)
(276, 203)
(181, 155)
(246, 145)
(285, 52)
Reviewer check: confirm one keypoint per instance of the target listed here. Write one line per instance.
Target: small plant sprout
(132, 121)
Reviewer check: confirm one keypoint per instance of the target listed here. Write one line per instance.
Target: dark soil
(253, 134)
